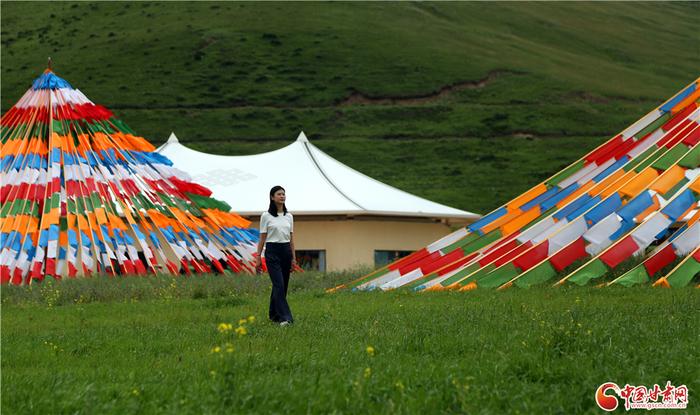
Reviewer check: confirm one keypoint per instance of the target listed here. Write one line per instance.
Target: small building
(343, 218)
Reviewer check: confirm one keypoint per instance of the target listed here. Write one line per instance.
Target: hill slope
(466, 104)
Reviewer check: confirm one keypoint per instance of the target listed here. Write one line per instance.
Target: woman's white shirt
(278, 229)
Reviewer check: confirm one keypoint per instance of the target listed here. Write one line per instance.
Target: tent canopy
(316, 183)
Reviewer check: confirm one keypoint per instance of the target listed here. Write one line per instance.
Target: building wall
(351, 242)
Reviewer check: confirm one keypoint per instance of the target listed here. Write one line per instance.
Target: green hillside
(467, 104)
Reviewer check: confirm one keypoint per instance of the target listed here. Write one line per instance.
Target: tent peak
(173, 138)
(302, 137)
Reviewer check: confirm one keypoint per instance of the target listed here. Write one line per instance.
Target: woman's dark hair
(272, 210)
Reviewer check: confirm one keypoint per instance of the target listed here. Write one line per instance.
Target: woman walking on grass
(276, 228)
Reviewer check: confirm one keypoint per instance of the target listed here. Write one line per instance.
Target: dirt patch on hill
(359, 98)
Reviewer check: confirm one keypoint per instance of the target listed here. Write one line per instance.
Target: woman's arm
(291, 243)
(261, 244)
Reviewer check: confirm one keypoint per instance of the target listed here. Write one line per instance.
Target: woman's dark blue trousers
(278, 257)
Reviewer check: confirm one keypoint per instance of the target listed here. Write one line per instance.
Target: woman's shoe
(285, 323)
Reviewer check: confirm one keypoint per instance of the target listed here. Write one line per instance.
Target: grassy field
(466, 104)
(148, 345)
(495, 83)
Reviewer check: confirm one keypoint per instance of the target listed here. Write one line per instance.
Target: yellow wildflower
(251, 319)
(242, 321)
(241, 331)
(217, 349)
(229, 348)
(368, 372)
(370, 350)
(135, 392)
(224, 327)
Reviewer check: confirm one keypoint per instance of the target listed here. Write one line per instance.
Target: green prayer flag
(499, 277)
(562, 175)
(681, 276)
(592, 270)
(692, 159)
(536, 275)
(460, 274)
(671, 157)
(654, 125)
(637, 275)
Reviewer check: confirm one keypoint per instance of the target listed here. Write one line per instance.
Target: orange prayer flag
(9, 148)
(197, 221)
(694, 218)
(52, 218)
(639, 182)
(501, 221)
(139, 143)
(520, 221)
(83, 144)
(8, 224)
(116, 222)
(668, 179)
(616, 184)
(21, 222)
(686, 101)
(92, 221)
(55, 141)
(695, 185)
(70, 221)
(180, 216)
(526, 197)
(83, 224)
(126, 210)
(100, 215)
(41, 148)
(240, 220)
(33, 225)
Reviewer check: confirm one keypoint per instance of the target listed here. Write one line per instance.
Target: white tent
(316, 183)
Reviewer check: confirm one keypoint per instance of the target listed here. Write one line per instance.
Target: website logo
(607, 402)
(608, 394)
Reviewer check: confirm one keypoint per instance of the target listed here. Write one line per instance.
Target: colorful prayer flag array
(633, 197)
(82, 194)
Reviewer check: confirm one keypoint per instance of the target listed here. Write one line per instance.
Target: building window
(312, 260)
(382, 258)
